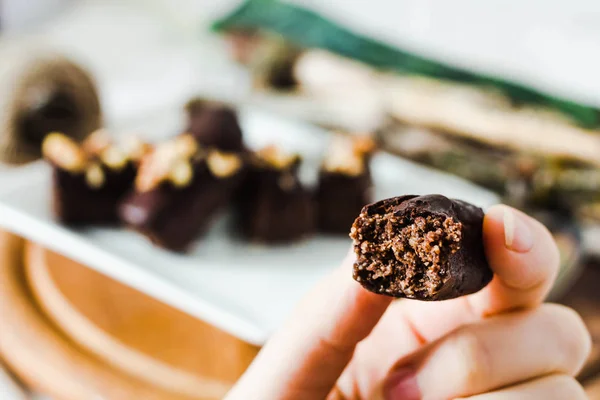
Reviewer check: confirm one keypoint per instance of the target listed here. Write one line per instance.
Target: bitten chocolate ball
(420, 247)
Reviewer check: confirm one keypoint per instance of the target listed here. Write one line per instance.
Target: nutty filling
(407, 255)
(276, 157)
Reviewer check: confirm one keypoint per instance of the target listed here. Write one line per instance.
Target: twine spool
(42, 92)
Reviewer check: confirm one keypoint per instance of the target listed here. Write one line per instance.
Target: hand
(343, 342)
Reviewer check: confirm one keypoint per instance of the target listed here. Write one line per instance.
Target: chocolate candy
(420, 247)
(345, 183)
(78, 202)
(89, 180)
(340, 197)
(214, 125)
(179, 192)
(273, 206)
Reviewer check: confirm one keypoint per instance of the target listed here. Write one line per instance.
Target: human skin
(343, 342)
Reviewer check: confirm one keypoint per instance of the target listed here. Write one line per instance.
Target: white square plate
(242, 288)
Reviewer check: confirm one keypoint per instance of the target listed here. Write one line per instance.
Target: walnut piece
(276, 157)
(114, 158)
(97, 142)
(223, 165)
(165, 162)
(64, 152)
(181, 173)
(346, 154)
(183, 146)
(134, 147)
(94, 176)
(363, 144)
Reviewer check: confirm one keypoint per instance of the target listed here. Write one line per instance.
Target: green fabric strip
(308, 29)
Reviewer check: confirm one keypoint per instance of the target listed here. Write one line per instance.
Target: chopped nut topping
(346, 155)
(347, 164)
(94, 176)
(88, 158)
(154, 168)
(149, 175)
(97, 142)
(134, 147)
(181, 173)
(114, 158)
(183, 145)
(64, 152)
(114, 154)
(363, 144)
(164, 161)
(276, 157)
(223, 165)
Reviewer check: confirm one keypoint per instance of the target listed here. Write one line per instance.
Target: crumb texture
(420, 247)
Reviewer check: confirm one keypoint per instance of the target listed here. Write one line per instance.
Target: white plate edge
(63, 242)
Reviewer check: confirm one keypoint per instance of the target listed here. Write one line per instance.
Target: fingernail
(402, 385)
(517, 233)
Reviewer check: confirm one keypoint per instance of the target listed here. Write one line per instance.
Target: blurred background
(502, 94)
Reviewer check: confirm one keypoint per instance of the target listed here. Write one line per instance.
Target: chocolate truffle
(214, 125)
(345, 183)
(179, 191)
(273, 206)
(420, 247)
(90, 180)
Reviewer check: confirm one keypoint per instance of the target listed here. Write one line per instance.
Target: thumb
(304, 359)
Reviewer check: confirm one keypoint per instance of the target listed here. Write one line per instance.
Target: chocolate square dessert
(179, 190)
(345, 183)
(90, 179)
(272, 205)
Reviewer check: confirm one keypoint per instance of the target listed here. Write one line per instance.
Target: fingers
(554, 387)
(496, 352)
(525, 260)
(525, 270)
(304, 359)
(524, 257)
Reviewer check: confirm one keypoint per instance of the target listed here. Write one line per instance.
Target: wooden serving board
(86, 335)
(133, 332)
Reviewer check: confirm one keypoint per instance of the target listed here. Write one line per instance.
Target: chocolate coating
(340, 198)
(215, 125)
(420, 247)
(76, 203)
(273, 206)
(173, 217)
